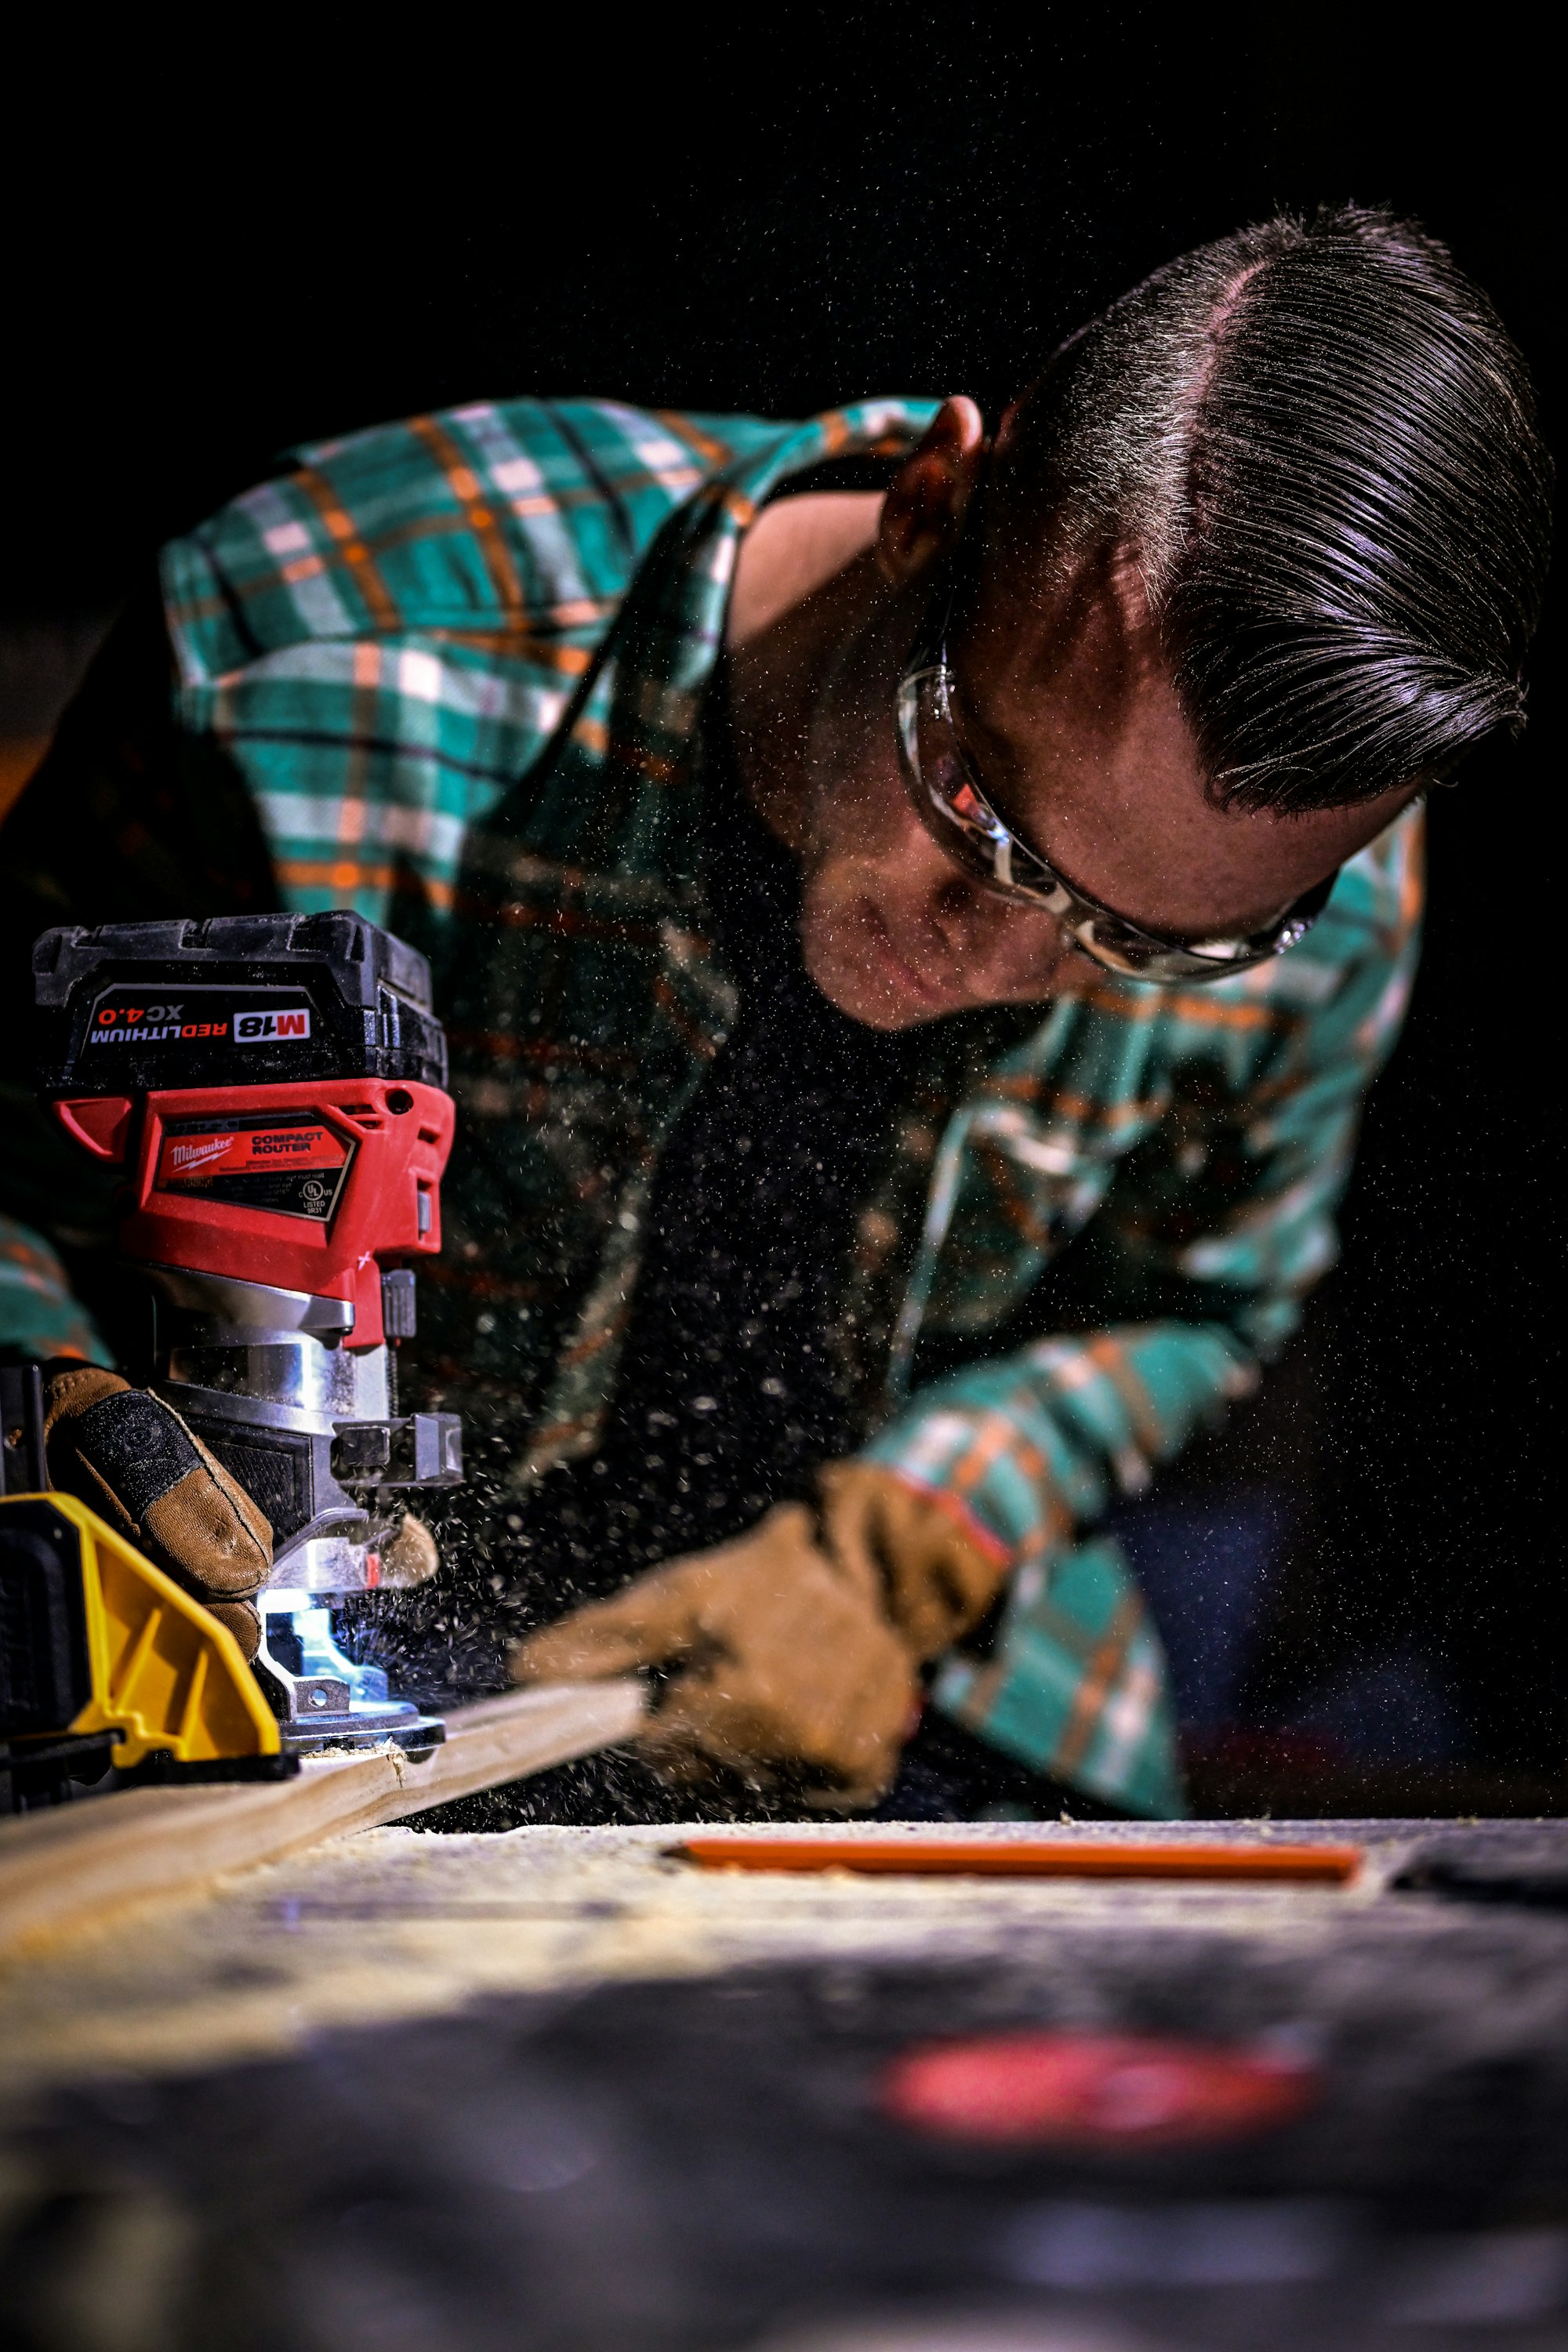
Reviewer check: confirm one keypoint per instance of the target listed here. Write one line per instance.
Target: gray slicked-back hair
(1319, 444)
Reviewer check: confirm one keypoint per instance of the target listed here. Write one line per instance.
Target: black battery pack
(237, 1001)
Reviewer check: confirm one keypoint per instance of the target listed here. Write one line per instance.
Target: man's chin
(870, 982)
(875, 1012)
(876, 1003)
(857, 963)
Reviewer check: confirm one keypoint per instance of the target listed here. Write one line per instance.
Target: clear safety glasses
(962, 820)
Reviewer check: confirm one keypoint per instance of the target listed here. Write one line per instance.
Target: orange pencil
(1027, 1858)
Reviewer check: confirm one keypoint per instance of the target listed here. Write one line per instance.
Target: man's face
(1074, 731)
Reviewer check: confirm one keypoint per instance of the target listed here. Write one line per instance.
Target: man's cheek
(865, 809)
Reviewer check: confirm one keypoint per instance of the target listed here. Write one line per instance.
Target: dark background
(203, 267)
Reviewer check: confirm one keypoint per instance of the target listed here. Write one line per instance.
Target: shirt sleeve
(1211, 1233)
(384, 637)
(38, 1315)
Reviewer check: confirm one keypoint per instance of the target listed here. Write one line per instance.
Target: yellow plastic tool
(162, 1671)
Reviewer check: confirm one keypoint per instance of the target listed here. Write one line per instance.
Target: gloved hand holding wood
(794, 1650)
(785, 1665)
(131, 1456)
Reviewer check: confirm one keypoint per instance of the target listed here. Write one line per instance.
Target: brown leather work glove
(936, 1571)
(131, 1456)
(785, 1665)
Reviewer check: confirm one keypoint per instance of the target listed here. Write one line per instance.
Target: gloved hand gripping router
(132, 1457)
(792, 1654)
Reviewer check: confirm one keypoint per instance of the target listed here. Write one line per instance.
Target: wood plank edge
(61, 1869)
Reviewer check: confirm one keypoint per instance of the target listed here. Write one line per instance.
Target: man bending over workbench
(842, 900)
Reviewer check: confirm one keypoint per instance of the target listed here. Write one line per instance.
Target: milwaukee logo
(184, 1157)
(262, 1028)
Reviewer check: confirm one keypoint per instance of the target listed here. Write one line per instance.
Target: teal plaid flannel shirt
(460, 664)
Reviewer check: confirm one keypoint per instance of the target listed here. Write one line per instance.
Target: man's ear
(924, 505)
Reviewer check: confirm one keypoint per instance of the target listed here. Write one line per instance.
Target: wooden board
(79, 1861)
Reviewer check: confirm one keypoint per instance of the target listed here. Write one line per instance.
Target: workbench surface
(557, 2087)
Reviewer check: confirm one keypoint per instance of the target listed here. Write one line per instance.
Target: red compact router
(274, 1088)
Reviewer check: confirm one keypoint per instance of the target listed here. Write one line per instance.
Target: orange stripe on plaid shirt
(335, 873)
(1188, 1006)
(685, 429)
(994, 1437)
(1088, 1701)
(1109, 1356)
(343, 527)
(467, 490)
(1065, 1103)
